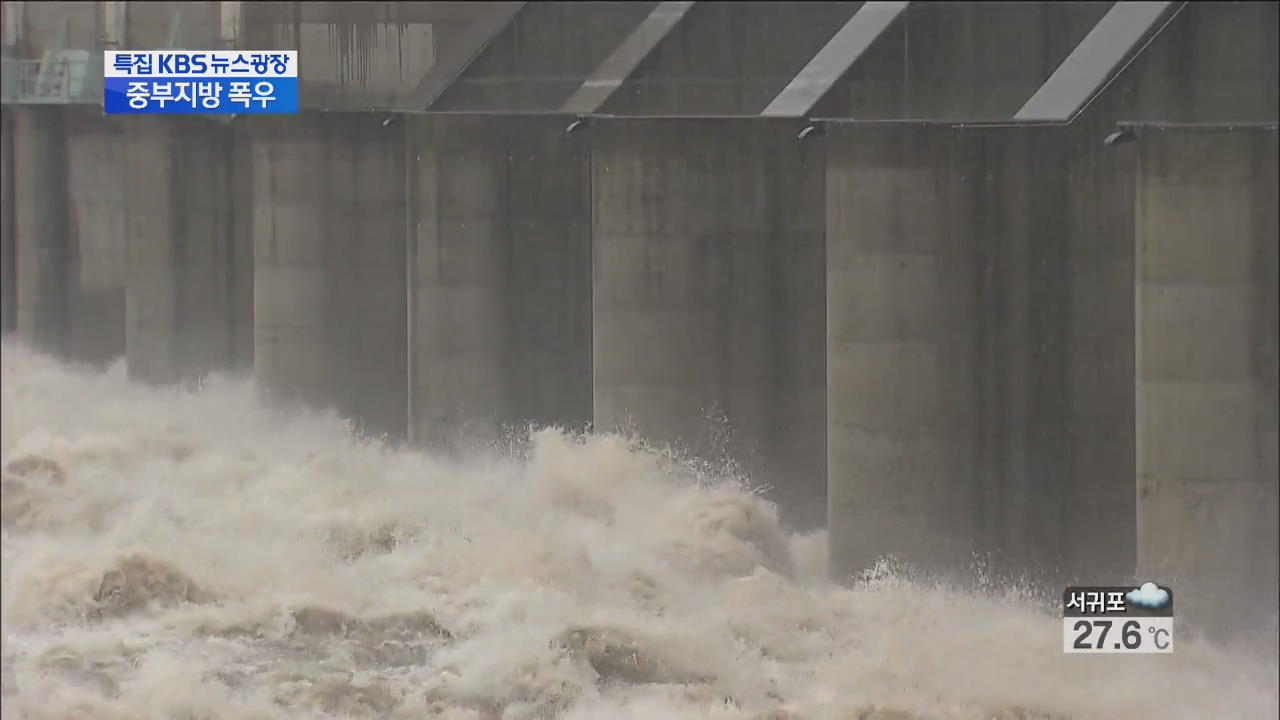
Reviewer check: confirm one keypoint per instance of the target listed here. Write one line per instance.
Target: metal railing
(61, 77)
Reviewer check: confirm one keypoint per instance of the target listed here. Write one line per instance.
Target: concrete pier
(186, 264)
(329, 266)
(500, 256)
(68, 229)
(708, 295)
(8, 227)
(1207, 236)
(42, 232)
(969, 416)
(96, 188)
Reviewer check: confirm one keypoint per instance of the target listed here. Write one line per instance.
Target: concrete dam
(952, 280)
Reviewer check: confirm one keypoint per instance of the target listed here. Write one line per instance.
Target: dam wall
(964, 292)
(978, 348)
(329, 269)
(708, 295)
(68, 242)
(190, 269)
(1206, 310)
(499, 233)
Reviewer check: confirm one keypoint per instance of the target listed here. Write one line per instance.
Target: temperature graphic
(1117, 619)
(1084, 635)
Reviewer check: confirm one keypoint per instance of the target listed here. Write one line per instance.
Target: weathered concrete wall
(44, 253)
(44, 24)
(8, 222)
(708, 294)
(148, 24)
(1099, 514)
(521, 70)
(969, 409)
(329, 265)
(960, 60)
(186, 266)
(96, 177)
(500, 255)
(728, 58)
(360, 55)
(1214, 63)
(1207, 299)
(69, 233)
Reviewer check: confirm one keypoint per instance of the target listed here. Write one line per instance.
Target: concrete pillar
(68, 201)
(8, 223)
(1206, 367)
(329, 265)
(500, 255)
(44, 253)
(96, 185)
(962, 398)
(184, 264)
(708, 295)
(1100, 510)
(900, 322)
(242, 246)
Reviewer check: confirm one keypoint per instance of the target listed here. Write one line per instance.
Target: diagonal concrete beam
(834, 59)
(616, 68)
(465, 50)
(1093, 61)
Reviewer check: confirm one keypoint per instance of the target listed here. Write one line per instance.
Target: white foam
(303, 546)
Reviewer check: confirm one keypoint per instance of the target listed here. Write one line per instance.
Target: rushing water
(193, 555)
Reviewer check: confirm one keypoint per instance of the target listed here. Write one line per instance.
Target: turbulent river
(193, 555)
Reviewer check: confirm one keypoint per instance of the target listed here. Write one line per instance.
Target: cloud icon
(1149, 595)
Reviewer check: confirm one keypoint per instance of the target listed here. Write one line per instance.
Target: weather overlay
(1117, 619)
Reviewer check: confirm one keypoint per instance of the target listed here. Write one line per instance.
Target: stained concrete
(1207, 237)
(186, 264)
(972, 414)
(148, 25)
(1057, 492)
(1095, 60)
(708, 295)
(960, 60)
(329, 265)
(1212, 63)
(362, 55)
(728, 58)
(8, 215)
(521, 71)
(96, 181)
(53, 25)
(42, 233)
(68, 221)
(500, 255)
(835, 58)
(623, 60)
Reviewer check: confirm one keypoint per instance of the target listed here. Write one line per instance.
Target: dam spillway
(927, 323)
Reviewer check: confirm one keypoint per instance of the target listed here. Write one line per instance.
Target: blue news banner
(200, 82)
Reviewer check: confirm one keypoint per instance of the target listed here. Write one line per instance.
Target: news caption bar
(1118, 619)
(200, 82)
